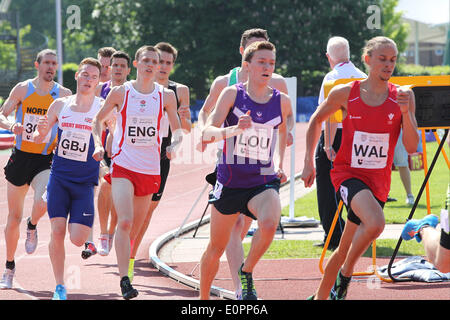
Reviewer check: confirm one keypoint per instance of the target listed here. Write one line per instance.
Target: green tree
(393, 26)
(207, 32)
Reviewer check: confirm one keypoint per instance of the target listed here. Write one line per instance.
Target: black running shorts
(347, 190)
(22, 167)
(234, 200)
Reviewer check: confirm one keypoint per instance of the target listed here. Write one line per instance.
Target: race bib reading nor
(255, 142)
(370, 150)
(141, 131)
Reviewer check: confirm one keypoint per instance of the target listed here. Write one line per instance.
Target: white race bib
(74, 145)
(255, 142)
(30, 122)
(370, 150)
(141, 131)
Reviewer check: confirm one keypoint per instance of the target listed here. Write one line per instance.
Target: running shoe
(248, 291)
(238, 295)
(339, 290)
(7, 279)
(89, 250)
(128, 292)
(110, 241)
(60, 293)
(413, 227)
(104, 245)
(410, 200)
(131, 269)
(311, 297)
(32, 239)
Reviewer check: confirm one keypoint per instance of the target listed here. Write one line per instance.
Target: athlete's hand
(308, 175)
(201, 146)
(403, 98)
(17, 128)
(184, 112)
(245, 121)
(99, 153)
(170, 152)
(42, 125)
(281, 175)
(289, 139)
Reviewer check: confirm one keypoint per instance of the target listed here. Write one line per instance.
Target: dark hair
(44, 52)
(123, 55)
(167, 47)
(106, 52)
(253, 33)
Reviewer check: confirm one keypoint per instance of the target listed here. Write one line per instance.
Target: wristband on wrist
(12, 126)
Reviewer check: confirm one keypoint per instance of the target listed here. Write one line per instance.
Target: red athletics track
(97, 277)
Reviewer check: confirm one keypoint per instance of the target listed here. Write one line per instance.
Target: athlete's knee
(77, 240)
(375, 229)
(125, 224)
(268, 224)
(58, 232)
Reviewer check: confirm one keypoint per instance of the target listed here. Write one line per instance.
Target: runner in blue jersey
(250, 117)
(74, 172)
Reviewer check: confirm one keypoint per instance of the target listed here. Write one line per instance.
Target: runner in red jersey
(374, 110)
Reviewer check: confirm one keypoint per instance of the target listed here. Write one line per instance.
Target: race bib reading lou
(370, 150)
(255, 142)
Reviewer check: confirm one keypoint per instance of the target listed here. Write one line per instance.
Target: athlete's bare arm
(64, 92)
(286, 110)
(217, 87)
(46, 122)
(213, 131)
(113, 101)
(336, 100)
(170, 106)
(15, 98)
(407, 104)
(184, 111)
(278, 82)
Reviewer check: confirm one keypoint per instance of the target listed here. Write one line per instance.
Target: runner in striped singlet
(29, 164)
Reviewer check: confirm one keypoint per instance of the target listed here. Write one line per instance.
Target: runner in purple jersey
(254, 118)
(247, 160)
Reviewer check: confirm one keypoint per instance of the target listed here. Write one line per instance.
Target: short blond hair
(90, 61)
(375, 43)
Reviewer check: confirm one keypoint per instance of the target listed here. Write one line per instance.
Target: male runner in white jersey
(120, 69)
(234, 251)
(136, 161)
(168, 54)
(29, 164)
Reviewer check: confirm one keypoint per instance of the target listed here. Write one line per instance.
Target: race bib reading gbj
(370, 150)
(30, 122)
(255, 142)
(141, 131)
(74, 145)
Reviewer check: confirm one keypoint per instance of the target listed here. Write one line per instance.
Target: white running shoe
(7, 280)
(32, 239)
(410, 200)
(104, 245)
